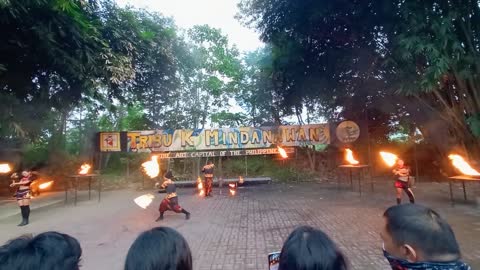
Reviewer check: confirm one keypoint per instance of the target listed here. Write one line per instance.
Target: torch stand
(463, 179)
(360, 175)
(76, 178)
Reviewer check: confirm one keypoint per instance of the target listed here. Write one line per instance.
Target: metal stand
(360, 175)
(463, 179)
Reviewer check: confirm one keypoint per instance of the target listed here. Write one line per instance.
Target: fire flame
(5, 168)
(349, 157)
(201, 191)
(282, 152)
(151, 167)
(45, 185)
(463, 166)
(232, 187)
(84, 169)
(389, 158)
(144, 201)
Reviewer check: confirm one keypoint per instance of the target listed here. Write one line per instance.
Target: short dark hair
(209, 162)
(422, 228)
(169, 175)
(46, 251)
(308, 248)
(160, 248)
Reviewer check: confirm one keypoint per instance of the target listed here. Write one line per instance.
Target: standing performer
(23, 195)
(170, 202)
(403, 181)
(207, 171)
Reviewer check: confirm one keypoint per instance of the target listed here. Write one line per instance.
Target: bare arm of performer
(166, 182)
(22, 182)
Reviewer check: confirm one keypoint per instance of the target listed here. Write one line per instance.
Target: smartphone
(273, 260)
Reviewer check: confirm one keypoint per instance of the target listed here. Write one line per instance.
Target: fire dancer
(23, 194)
(207, 171)
(170, 202)
(403, 181)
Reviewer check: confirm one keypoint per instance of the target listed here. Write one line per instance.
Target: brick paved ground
(237, 232)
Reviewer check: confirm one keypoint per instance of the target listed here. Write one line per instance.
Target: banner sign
(214, 139)
(224, 153)
(229, 139)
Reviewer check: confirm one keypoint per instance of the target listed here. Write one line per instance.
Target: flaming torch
(282, 152)
(84, 169)
(389, 158)
(144, 201)
(45, 185)
(151, 167)
(201, 191)
(233, 188)
(463, 166)
(349, 157)
(240, 180)
(5, 168)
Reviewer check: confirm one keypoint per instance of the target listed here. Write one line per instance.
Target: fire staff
(403, 181)
(170, 202)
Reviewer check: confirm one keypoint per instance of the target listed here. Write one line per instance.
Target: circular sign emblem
(348, 131)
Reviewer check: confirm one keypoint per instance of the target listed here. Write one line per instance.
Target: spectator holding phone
(310, 249)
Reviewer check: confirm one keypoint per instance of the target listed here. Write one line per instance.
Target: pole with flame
(151, 167)
(5, 168)
(460, 164)
(389, 158)
(349, 157)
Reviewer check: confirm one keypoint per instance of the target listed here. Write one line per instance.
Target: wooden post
(128, 168)
(246, 166)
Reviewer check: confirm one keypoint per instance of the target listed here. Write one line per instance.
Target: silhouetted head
(46, 251)
(160, 248)
(310, 249)
(416, 233)
(169, 175)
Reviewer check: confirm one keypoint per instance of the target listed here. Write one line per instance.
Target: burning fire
(389, 158)
(151, 167)
(233, 188)
(463, 166)
(201, 191)
(349, 157)
(144, 201)
(5, 168)
(45, 185)
(84, 169)
(282, 152)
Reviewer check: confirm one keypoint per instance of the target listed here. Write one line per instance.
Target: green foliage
(35, 154)
(474, 124)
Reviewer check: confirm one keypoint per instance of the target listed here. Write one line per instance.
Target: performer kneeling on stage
(403, 181)
(170, 202)
(23, 195)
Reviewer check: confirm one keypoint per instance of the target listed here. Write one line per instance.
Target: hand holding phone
(273, 260)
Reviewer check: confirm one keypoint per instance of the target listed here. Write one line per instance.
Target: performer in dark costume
(23, 194)
(207, 171)
(403, 181)
(170, 202)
